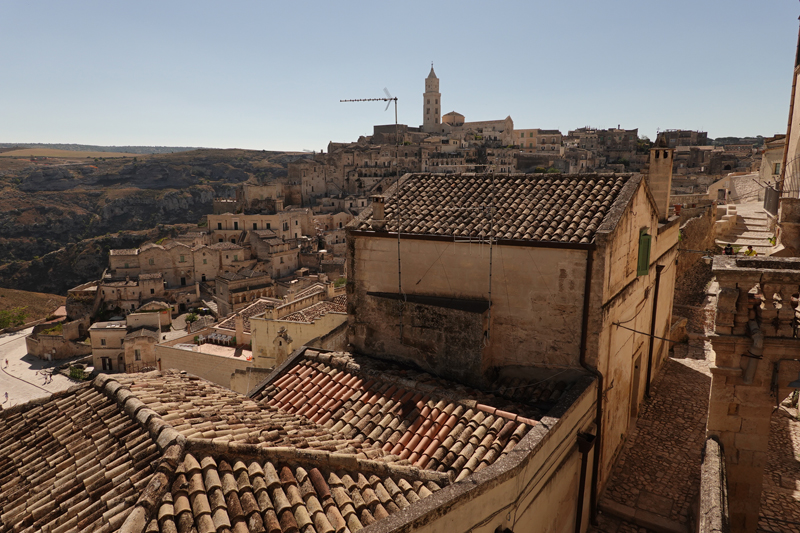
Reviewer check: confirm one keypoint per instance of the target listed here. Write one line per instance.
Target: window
(126, 265)
(436, 101)
(235, 257)
(777, 168)
(102, 342)
(268, 225)
(281, 260)
(152, 261)
(183, 259)
(219, 225)
(255, 225)
(429, 101)
(235, 225)
(220, 240)
(428, 112)
(137, 355)
(295, 222)
(152, 291)
(643, 266)
(106, 362)
(205, 261)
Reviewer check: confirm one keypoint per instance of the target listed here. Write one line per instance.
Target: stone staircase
(751, 228)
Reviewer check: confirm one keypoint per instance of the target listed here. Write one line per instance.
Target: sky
(269, 75)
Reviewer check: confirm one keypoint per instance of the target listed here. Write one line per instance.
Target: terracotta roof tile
(550, 207)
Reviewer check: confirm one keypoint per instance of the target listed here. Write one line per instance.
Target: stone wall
(692, 273)
(215, 368)
(755, 359)
(537, 293)
(713, 509)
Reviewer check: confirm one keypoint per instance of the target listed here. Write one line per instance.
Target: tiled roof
(242, 274)
(313, 312)
(414, 417)
(170, 452)
(542, 207)
(224, 246)
(254, 309)
(310, 290)
(143, 332)
(76, 461)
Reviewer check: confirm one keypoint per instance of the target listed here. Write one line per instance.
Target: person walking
(6, 397)
(750, 252)
(728, 249)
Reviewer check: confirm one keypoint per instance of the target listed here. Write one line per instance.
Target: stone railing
(713, 509)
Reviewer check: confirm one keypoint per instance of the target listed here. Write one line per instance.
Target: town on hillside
(460, 326)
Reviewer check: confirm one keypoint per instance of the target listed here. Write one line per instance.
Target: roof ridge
(318, 458)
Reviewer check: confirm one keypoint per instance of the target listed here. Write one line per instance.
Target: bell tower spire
(431, 103)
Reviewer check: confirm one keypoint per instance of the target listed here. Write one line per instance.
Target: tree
(10, 318)
(191, 317)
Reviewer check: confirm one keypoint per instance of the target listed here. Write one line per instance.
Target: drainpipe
(585, 443)
(659, 268)
(599, 402)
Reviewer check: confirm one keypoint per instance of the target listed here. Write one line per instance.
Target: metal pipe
(585, 443)
(659, 268)
(587, 286)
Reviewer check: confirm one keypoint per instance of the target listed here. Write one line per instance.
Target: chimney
(239, 329)
(659, 178)
(378, 220)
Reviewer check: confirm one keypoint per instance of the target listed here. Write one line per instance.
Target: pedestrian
(6, 397)
(6, 363)
(750, 252)
(728, 249)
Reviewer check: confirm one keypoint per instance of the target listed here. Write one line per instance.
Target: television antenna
(389, 99)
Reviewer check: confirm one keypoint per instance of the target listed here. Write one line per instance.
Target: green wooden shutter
(643, 267)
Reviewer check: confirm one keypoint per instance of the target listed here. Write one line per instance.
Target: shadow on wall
(779, 507)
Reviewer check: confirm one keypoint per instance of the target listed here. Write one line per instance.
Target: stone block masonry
(754, 352)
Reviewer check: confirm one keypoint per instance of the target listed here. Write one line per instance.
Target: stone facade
(755, 358)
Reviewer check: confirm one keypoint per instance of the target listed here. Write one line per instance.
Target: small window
(137, 355)
(152, 291)
(152, 261)
(268, 226)
(235, 225)
(102, 342)
(220, 240)
(205, 261)
(183, 259)
(219, 225)
(777, 168)
(235, 257)
(126, 265)
(643, 266)
(281, 260)
(255, 225)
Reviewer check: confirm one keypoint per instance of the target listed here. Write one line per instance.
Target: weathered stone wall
(713, 511)
(537, 293)
(755, 354)
(215, 368)
(692, 273)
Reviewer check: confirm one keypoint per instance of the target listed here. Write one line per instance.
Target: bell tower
(431, 104)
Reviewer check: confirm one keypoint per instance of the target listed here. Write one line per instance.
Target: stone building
(563, 273)
(236, 290)
(755, 366)
(288, 224)
(431, 103)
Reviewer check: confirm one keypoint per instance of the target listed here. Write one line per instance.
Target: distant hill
(94, 148)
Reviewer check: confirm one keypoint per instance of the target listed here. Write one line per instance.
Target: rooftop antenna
(389, 99)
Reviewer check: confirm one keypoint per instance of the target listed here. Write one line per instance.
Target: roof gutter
(599, 401)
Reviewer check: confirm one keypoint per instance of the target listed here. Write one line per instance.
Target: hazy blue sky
(269, 75)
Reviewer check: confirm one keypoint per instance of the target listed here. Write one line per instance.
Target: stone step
(749, 234)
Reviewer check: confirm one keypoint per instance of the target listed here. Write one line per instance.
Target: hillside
(56, 202)
(95, 148)
(36, 305)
